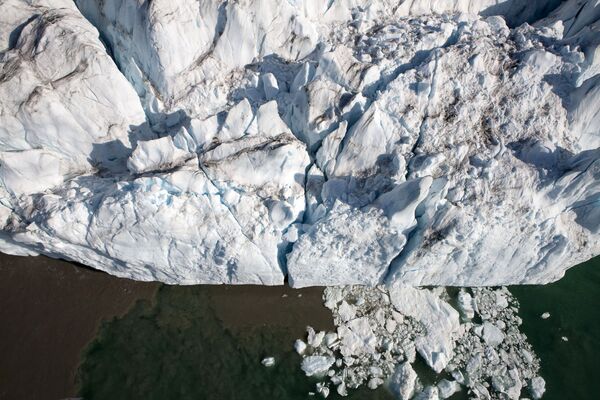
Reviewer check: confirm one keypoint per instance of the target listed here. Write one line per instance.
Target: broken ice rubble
(381, 331)
(329, 143)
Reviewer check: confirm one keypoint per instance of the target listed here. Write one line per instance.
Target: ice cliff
(330, 143)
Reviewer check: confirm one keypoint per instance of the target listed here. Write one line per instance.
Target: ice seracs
(157, 155)
(329, 143)
(65, 105)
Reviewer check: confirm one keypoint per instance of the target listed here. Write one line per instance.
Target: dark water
(203, 342)
(572, 368)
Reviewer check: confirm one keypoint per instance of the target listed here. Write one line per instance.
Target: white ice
(425, 143)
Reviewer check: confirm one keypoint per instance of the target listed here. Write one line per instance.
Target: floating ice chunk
(429, 393)
(492, 335)
(438, 317)
(403, 381)
(357, 337)
(473, 363)
(501, 300)
(545, 315)
(268, 361)
(466, 304)
(346, 311)
(508, 382)
(323, 389)
(315, 338)
(300, 346)
(331, 339)
(341, 389)
(374, 383)
(157, 155)
(537, 387)
(317, 365)
(447, 388)
(390, 325)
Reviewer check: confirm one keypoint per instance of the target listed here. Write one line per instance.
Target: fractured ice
(341, 142)
(477, 347)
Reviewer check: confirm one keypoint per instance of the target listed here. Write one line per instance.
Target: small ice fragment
(447, 388)
(374, 383)
(491, 334)
(537, 387)
(546, 315)
(268, 361)
(322, 389)
(390, 325)
(300, 346)
(346, 311)
(315, 339)
(501, 300)
(341, 389)
(565, 339)
(331, 339)
(317, 365)
(403, 381)
(466, 304)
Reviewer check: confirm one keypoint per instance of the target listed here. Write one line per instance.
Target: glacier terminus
(419, 143)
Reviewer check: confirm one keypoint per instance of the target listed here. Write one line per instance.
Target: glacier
(418, 143)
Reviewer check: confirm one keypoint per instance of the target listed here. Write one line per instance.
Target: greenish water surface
(200, 342)
(571, 368)
(206, 342)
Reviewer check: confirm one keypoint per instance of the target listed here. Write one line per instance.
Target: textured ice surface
(341, 142)
(483, 352)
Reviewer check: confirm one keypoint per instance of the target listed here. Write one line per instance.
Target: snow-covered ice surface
(476, 347)
(342, 142)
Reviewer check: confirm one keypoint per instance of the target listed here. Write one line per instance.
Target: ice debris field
(473, 346)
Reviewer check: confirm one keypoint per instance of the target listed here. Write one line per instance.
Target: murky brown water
(49, 311)
(69, 331)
